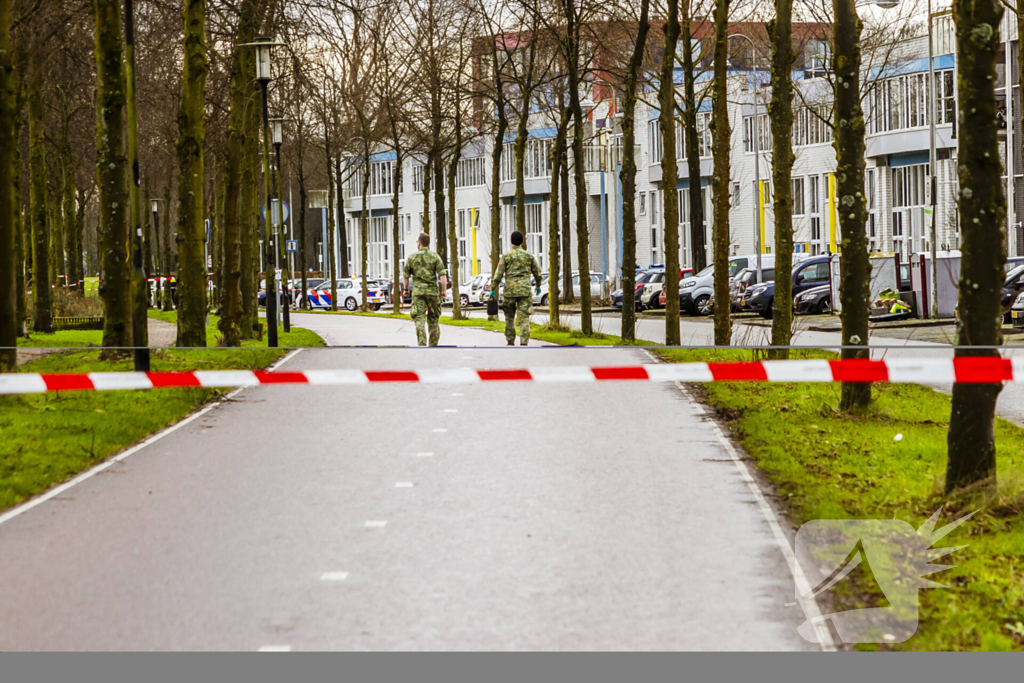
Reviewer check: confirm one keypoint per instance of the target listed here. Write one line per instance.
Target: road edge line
(27, 505)
(803, 586)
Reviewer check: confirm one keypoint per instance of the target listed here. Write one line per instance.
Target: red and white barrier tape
(975, 370)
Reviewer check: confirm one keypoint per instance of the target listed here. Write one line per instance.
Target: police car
(350, 295)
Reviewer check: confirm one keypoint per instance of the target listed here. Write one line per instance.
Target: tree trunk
(855, 289)
(248, 224)
(137, 289)
(780, 112)
(112, 169)
(191, 176)
(303, 200)
(557, 160)
(8, 216)
(22, 235)
(42, 295)
(426, 192)
(453, 238)
(330, 267)
(396, 228)
(627, 176)
(147, 234)
(168, 296)
(698, 248)
(567, 294)
(971, 441)
(59, 262)
(241, 63)
(720, 154)
(364, 220)
(669, 174)
(344, 268)
(582, 234)
(519, 151)
(439, 207)
(496, 152)
(83, 199)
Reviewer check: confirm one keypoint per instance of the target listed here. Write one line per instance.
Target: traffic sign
(287, 211)
(291, 245)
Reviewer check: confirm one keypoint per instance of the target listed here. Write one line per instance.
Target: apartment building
(896, 101)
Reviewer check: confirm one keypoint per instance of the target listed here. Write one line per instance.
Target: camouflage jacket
(425, 267)
(516, 266)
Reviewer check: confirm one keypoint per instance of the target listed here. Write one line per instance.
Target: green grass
(47, 438)
(297, 337)
(825, 464)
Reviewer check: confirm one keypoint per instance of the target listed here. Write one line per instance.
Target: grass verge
(825, 464)
(47, 438)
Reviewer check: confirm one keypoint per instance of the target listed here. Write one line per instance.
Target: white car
(469, 291)
(540, 294)
(350, 295)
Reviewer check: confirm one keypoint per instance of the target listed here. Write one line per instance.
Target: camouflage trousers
(426, 311)
(518, 310)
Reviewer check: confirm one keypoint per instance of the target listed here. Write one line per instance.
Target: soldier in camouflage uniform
(426, 268)
(516, 266)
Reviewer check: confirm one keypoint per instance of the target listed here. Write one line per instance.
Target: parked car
(812, 272)
(743, 280)
(468, 291)
(814, 300)
(645, 293)
(695, 292)
(596, 284)
(350, 295)
(1017, 311)
(1013, 285)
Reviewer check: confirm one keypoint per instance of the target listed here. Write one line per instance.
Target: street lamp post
(277, 137)
(263, 47)
(155, 208)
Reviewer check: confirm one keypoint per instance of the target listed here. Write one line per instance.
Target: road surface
(410, 517)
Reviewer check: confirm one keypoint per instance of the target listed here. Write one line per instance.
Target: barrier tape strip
(971, 370)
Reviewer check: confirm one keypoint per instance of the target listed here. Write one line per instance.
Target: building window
(417, 177)
(814, 207)
(536, 159)
(735, 194)
(816, 57)
(798, 196)
(811, 127)
(470, 172)
(902, 102)
(764, 137)
(641, 207)
(657, 145)
(908, 204)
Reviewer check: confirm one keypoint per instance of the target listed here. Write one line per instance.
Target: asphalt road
(415, 517)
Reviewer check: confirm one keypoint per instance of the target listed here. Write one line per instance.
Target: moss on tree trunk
(42, 296)
(8, 221)
(191, 180)
(557, 160)
(780, 112)
(972, 451)
(627, 176)
(722, 133)
(855, 290)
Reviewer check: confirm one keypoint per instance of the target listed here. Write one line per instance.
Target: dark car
(814, 300)
(813, 272)
(1013, 285)
(642, 278)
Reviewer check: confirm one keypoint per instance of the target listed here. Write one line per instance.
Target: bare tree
(721, 135)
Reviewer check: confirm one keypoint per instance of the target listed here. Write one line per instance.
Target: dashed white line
(440, 431)
(334, 576)
(376, 523)
(424, 455)
(275, 648)
(403, 484)
(451, 410)
(458, 394)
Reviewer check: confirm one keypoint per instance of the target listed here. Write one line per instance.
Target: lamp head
(276, 131)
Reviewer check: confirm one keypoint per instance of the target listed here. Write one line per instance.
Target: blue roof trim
(652, 114)
(913, 66)
(383, 156)
(908, 159)
(534, 134)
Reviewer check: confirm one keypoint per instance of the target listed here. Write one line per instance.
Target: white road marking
(458, 394)
(440, 431)
(403, 484)
(88, 474)
(424, 455)
(334, 576)
(451, 410)
(275, 648)
(376, 523)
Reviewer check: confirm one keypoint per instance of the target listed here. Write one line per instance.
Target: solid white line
(88, 474)
(440, 431)
(424, 455)
(451, 410)
(403, 484)
(275, 648)
(334, 576)
(376, 523)
(803, 586)
(458, 394)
